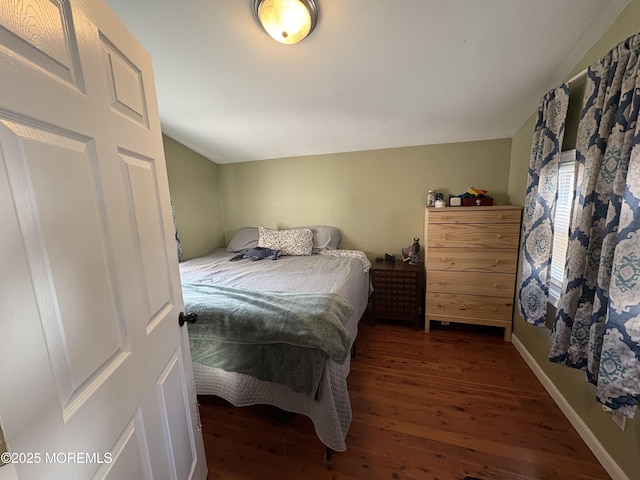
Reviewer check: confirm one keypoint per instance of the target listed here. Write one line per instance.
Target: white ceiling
(374, 73)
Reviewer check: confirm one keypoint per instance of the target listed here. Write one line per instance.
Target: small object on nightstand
(379, 259)
(415, 252)
(411, 253)
(389, 257)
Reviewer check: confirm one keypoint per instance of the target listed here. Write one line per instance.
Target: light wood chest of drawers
(471, 258)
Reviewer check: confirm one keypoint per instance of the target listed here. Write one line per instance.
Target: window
(566, 173)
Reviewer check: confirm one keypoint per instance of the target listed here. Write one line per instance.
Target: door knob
(190, 318)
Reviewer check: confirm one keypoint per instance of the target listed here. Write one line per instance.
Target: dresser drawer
(469, 306)
(472, 260)
(394, 281)
(471, 283)
(403, 308)
(474, 215)
(473, 236)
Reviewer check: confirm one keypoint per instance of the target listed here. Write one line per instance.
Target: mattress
(345, 276)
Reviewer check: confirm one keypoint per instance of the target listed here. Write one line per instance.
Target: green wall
(194, 186)
(376, 198)
(623, 447)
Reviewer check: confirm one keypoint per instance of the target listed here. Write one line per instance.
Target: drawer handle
(496, 285)
(499, 235)
(442, 282)
(443, 259)
(440, 305)
(494, 309)
(500, 217)
(497, 262)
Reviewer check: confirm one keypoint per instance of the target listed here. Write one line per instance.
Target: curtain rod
(577, 76)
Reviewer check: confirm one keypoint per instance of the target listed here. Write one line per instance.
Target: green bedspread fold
(274, 336)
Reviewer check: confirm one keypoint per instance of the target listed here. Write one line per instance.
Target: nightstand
(398, 291)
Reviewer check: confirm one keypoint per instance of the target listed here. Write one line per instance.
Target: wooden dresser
(471, 258)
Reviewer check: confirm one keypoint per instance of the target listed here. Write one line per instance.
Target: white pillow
(296, 241)
(324, 237)
(244, 239)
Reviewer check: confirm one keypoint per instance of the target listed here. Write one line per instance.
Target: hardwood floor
(448, 404)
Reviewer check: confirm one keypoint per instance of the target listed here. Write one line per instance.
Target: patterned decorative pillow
(298, 241)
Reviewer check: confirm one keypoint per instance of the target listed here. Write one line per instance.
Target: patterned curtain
(597, 327)
(539, 207)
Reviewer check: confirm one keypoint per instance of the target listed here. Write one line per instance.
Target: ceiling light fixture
(287, 21)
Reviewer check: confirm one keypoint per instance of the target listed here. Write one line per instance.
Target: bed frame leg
(328, 453)
(283, 416)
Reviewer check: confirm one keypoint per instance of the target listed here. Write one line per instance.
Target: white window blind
(566, 172)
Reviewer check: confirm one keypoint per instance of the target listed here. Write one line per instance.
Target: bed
(325, 271)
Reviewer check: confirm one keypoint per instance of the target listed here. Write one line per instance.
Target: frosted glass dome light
(287, 21)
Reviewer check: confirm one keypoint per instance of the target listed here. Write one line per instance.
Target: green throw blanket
(273, 336)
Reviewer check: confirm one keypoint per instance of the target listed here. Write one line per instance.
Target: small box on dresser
(471, 258)
(398, 291)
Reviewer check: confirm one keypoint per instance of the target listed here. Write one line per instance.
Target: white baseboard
(583, 430)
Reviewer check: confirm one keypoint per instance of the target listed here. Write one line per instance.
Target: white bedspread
(331, 413)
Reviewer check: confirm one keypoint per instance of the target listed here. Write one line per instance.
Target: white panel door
(96, 379)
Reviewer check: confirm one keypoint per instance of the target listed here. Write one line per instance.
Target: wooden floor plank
(440, 405)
